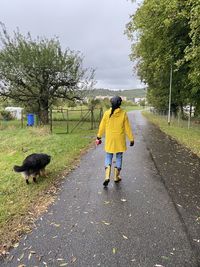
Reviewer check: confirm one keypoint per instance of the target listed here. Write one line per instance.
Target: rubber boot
(107, 177)
(117, 177)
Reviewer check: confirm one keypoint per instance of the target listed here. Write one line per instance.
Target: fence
(60, 120)
(188, 122)
(72, 120)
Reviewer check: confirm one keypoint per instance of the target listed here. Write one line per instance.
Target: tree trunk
(44, 112)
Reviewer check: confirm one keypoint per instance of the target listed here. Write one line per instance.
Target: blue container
(30, 119)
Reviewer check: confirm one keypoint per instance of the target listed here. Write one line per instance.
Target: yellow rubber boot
(117, 177)
(107, 177)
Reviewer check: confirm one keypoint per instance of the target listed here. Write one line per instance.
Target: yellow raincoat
(115, 129)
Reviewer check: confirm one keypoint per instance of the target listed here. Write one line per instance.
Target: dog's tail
(19, 168)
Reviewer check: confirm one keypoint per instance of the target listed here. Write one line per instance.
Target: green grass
(188, 137)
(130, 108)
(16, 197)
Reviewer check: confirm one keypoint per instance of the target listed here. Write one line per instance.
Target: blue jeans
(109, 157)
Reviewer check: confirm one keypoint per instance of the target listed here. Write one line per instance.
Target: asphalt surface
(149, 219)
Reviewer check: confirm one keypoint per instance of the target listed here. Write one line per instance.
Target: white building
(138, 99)
(15, 111)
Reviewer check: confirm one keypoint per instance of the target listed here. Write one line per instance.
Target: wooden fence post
(67, 121)
(51, 121)
(22, 119)
(92, 118)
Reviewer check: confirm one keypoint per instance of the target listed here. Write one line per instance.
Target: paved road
(134, 223)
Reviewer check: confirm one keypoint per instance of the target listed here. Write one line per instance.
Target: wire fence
(73, 120)
(177, 120)
(60, 120)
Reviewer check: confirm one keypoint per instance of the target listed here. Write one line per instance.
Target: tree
(192, 53)
(37, 72)
(160, 34)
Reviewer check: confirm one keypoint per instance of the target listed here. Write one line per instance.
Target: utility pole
(170, 97)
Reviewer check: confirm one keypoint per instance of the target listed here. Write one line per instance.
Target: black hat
(116, 101)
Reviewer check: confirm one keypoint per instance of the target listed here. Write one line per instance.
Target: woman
(115, 125)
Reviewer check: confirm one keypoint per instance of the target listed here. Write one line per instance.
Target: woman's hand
(98, 141)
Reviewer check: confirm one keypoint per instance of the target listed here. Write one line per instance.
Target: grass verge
(20, 203)
(130, 108)
(190, 138)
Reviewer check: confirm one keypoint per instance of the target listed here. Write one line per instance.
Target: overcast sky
(93, 27)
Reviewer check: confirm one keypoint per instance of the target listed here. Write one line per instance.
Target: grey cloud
(91, 26)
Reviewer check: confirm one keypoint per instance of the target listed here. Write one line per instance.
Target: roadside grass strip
(190, 138)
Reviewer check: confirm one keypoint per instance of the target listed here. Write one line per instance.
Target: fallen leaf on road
(40, 257)
(21, 257)
(106, 223)
(55, 224)
(11, 258)
(114, 250)
(73, 260)
(165, 258)
(16, 245)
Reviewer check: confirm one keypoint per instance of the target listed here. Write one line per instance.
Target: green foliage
(71, 104)
(165, 33)
(130, 94)
(37, 72)
(106, 103)
(93, 103)
(193, 51)
(128, 104)
(142, 103)
(6, 115)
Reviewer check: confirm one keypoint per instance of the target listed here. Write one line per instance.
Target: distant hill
(132, 93)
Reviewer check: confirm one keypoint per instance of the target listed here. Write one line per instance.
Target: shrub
(6, 115)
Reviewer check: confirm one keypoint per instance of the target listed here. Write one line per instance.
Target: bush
(6, 115)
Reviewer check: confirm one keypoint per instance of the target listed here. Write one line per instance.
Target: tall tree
(160, 33)
(37, 72)
(192, 52)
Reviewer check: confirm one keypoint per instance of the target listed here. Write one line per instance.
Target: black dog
(33, 165)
